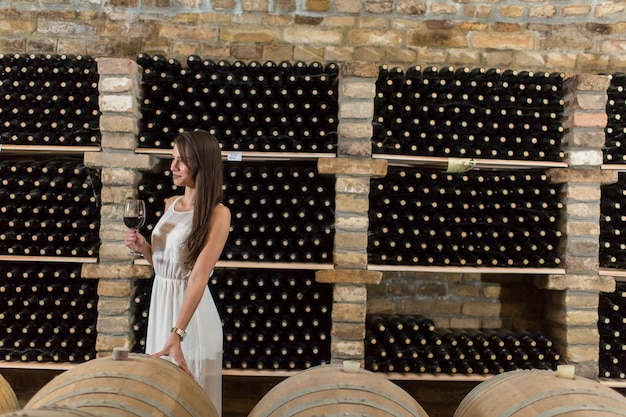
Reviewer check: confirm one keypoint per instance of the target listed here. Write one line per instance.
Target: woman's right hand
(135, 241)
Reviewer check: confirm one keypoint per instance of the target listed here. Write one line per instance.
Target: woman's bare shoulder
(221, 210)
(169, 201)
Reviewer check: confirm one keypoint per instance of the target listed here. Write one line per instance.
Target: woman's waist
(165, 276)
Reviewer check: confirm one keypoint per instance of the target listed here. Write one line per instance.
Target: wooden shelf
(407, 268)
(617, 274)
(64, 259)
(617, 167)
(60, 366)
(395, 376)
(467, 269)
(279, 373)
(57, 149)
(260, 265)
(478, 163)
(613, 383)
(248, 156)
(284, 373)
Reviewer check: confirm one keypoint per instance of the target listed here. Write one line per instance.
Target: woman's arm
(198, 281)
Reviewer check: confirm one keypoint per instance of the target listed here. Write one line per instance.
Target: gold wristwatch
(180, 332)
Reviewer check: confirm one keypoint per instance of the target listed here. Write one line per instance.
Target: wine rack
(140, 311)
(613, 224)
(479, 218)
(615, 131)
(412, 344)
(612, 329)
(48, 312)
(468, 113)
(50, 216)
(51, 207)
(49, 100)
(271, 320)
(258, 107)
(281, 211)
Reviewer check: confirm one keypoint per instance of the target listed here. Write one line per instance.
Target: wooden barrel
(532, 393)
(137, 386)
(328, 390)
(8, 399)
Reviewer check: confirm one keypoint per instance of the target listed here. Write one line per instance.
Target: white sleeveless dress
(203, 345)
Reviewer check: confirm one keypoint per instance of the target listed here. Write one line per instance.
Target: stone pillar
(119, 94)
(572, 314)
(353, 169)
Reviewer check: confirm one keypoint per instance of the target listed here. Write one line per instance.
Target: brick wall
(569, 36)
(462, 300)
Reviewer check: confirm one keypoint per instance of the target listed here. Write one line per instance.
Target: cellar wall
(461, 300)
(571, 36)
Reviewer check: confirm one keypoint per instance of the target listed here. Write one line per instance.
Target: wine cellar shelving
(253, 107)
(49, 313)
(412, 344)
(501, 219)
(612, 329)
(49, 100)
(469, 113)
(51, 208)
(615, 132)
(466, 114)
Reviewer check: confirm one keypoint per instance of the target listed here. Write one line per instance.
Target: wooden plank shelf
(613, 383)
(248, 156)
(467, 269)
(618, 274)
(259, 265)
(284, 373)
(56, 259)
(477, 163)
(615, 167)
(51, 366)
(395, 376)
(56, 149)
(277, 373)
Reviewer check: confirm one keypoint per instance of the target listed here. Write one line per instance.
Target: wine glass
(134, 216)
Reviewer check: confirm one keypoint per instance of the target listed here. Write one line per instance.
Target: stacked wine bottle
(615, 131)
(462, 112)
(412, 344)
(270, 319)
(140, 311)
(286, 107)
(613, 224)
(51, 207)
(495, 219)
(49, 314)
(49, 100)
(612, 329)
(273, 319)
(281, 212)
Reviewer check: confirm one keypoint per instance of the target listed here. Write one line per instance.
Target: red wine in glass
(134, 216)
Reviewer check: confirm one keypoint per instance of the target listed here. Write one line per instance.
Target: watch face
(180, 332)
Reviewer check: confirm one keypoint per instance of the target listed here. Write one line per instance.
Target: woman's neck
(187, 201)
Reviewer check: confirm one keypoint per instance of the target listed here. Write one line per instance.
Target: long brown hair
(201, 152)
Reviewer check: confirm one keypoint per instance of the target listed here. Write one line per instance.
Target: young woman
(183, 322)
